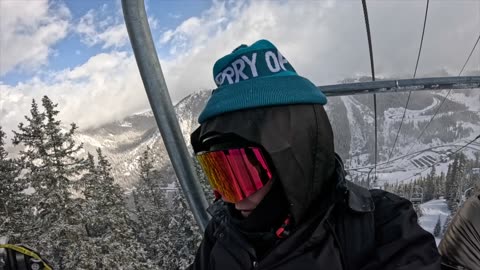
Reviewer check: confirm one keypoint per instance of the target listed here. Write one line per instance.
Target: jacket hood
(299, 141)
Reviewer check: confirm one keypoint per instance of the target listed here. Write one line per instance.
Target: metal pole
(157, 92)
(393, 86)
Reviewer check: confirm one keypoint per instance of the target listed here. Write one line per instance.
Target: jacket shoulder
(400, 240)
(359, 199)
(390, 206)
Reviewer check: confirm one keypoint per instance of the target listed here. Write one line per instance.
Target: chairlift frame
(155, 86)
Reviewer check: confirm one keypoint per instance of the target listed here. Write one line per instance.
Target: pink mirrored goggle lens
(236, 173)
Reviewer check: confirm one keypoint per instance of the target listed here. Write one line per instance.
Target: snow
(28, 191)
(431, 211)
(3, 240)
(470, 101)
(357, 137)
(87, 140)
(126, 124)
(147, 113)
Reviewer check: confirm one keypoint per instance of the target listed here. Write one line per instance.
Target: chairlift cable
(358, 169)
(414, 75)
(372, 66)
(444, 98)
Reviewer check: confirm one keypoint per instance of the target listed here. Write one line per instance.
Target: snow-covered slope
(352, 120)
(455, 124)
(432, 210)
(123, 142)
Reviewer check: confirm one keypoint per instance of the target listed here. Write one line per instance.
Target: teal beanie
(257, 76)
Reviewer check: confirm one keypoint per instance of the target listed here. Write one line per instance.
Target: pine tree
(151, 210)
(446, 224)
(50, 166)
(167, 227)
(440, 185)
(112, 242)
(476, 176)
(438, 228)
(428, 185)
(12, 200)
(448, 179)
(452, 185)
(461, 175)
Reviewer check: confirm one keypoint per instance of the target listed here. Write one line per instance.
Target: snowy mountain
(457, 122)
(124, 141)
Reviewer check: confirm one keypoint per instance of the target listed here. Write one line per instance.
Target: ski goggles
(236, 173)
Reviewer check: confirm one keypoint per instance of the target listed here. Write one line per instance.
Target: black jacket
(362, 230)
(337, 225)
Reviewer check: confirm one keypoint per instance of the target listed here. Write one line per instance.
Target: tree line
(461, 181)
(66, 204)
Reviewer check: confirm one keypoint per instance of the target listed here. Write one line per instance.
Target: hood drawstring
(284, 230)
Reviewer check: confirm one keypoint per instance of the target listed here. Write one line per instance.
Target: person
(266, 146)
(460, 245)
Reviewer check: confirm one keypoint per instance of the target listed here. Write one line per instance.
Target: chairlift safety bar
(393, 86)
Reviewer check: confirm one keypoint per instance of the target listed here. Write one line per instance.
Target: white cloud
(325, 41)
(105, 88)
(95, 27)
(28, 30)
(106, 27)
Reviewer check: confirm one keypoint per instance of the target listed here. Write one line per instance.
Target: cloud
(96, 27)
(107, 87)
(324, 40)
(28, 31)
(106, 28)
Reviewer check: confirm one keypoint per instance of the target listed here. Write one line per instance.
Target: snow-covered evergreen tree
(429, 185)
(461, 175)
(447, 223)
(184, 235)
(109, 241)
(438, 228)
(165, 226)
(440, 185)
(451, 185)
(12, 200)
(50, 166)
(151, 211)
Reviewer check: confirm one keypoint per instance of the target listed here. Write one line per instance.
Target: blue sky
(71, 51)
(78, 52)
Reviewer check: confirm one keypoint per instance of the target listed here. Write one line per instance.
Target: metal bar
(157, 92)
(372, 66)
(393, 86)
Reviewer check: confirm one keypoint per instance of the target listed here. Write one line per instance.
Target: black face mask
(267, 216)
(260, 227)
